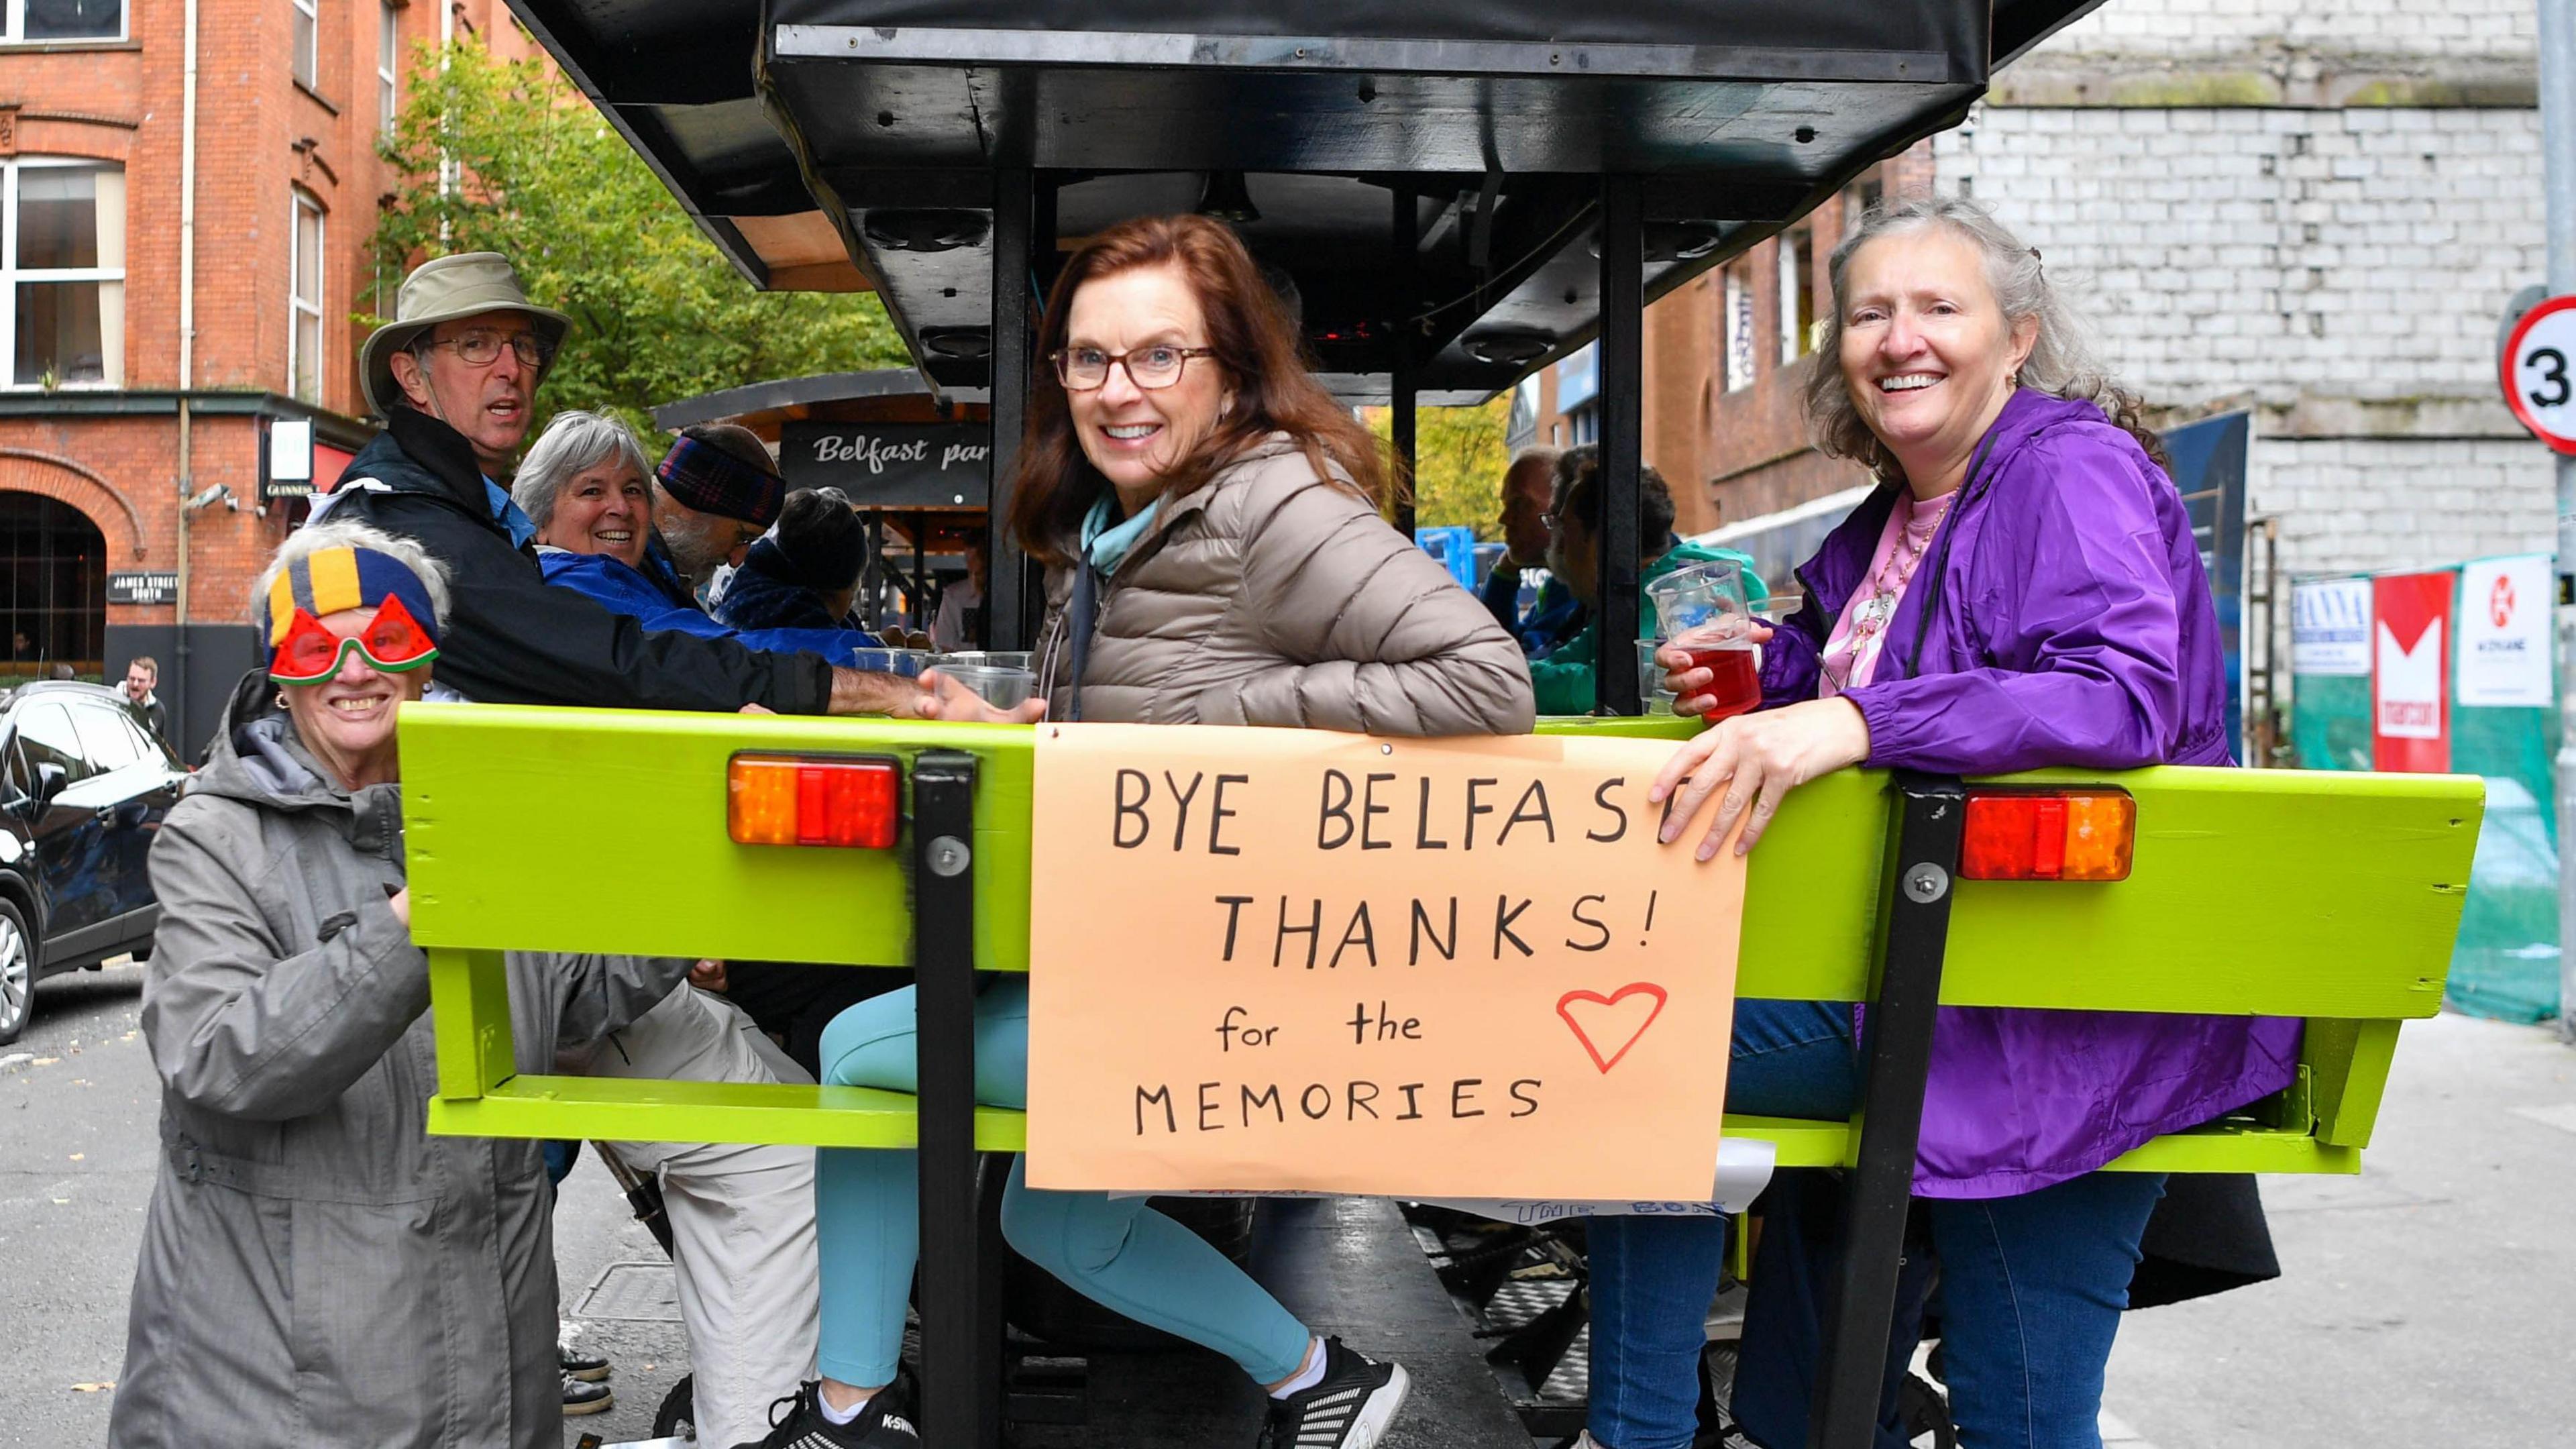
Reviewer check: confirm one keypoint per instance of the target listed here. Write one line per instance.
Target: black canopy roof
(846, 143)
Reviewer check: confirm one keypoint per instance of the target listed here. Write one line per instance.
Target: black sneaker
(798, 1423)
(590, 1368)
(583, 1397)
(1350, 1409)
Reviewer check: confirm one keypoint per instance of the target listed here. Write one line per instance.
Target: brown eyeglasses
(1083, 369)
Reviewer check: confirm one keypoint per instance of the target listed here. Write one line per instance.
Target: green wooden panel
(2267, 892)
(2350, 1060)
(618, 1109)
(2232, 1146)
(469, 997)
(604, 830)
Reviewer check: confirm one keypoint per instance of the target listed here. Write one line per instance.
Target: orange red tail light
(2077, 835)
(813, 800)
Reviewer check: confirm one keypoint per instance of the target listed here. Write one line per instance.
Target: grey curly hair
(2061, 361)
(575, 442)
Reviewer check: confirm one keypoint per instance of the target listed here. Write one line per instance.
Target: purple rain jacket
(2072, 625)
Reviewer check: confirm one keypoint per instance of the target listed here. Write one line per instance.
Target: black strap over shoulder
(1080, 613)
(1940, 559)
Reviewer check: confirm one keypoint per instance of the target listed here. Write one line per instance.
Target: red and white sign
(2504, 632)
(2410, 707)
(2539, 372)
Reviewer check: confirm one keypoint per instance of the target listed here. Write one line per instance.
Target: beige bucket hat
(445, 289)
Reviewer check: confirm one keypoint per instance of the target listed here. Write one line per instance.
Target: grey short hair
(334, 533)
(2061, 363)
(573, 443)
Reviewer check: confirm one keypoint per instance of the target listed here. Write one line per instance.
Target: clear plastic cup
(1651, 694)
(1000, 686)
(1698, 597)
(985, 658)
(905, 662)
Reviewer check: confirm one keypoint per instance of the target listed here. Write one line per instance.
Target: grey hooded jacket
(316, 1268)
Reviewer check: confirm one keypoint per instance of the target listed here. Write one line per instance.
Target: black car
(82, 792)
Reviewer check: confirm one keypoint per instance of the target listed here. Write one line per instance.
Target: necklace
(1887, 586)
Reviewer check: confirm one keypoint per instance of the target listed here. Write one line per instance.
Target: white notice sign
(2504, 632)
(2330, 627)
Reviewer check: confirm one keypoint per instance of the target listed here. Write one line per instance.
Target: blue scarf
(1105, 540)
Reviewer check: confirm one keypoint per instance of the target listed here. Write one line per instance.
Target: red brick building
(1728, 358)
(165, 339)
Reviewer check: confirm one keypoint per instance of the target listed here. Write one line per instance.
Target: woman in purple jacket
(2023, 591)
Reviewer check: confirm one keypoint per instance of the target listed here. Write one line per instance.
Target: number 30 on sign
(2539, 366)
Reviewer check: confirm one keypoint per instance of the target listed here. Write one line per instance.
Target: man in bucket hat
(455, 375)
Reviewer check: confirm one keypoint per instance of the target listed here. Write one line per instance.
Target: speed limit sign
(2539, 367)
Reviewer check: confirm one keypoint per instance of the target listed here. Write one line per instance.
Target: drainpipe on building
(2558, 165)
(187, 344)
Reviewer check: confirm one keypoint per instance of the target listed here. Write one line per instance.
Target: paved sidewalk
(2429, 1301)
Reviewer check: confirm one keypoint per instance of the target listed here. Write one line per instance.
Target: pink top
(1852, 650)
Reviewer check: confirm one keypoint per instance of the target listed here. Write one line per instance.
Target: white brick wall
(2309, 259)
(2350, 254)
(2229, 28)
(2355, 504)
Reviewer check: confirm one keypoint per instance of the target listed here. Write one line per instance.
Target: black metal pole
(1401, 387)
(961, 1334)
(1623, 388)
(1861, 1297)
(1007, 594)
(872, 573)
(917, 616)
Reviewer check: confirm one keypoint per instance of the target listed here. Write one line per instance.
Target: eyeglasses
(482, 349)
(1084, 369)
(392, 641)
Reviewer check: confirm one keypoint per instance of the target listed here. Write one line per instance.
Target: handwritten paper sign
(1277, 960)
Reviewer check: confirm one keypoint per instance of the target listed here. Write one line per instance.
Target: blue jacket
(656, 605)
(761, 595)
(1553, 618)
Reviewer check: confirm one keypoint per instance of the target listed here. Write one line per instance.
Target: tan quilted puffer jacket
(1273, 597)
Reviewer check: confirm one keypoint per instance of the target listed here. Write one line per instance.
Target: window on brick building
(1738, 322)
(308, 43)
(1797, 295)
(388, 64)
(304, 313)
(66, 282)
(43, 20)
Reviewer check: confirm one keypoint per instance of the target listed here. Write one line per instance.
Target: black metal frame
(1922, 867)
(961, 1232)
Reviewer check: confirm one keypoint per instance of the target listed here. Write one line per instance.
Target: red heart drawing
(1610, 1022)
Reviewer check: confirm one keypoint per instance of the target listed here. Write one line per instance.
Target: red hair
(1054, 485)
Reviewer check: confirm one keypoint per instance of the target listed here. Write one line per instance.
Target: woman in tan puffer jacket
(1208, 515)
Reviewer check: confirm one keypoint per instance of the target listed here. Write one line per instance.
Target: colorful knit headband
(328, 580)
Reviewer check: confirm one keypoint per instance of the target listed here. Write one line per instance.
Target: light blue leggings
(1115, 1251)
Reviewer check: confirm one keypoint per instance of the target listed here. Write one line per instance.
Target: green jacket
(1563, 678)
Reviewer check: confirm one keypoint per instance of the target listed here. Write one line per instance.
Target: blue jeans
(1115, 1251)
(2031, 1287)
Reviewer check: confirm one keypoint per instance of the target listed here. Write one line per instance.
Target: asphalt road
(2432, 1300)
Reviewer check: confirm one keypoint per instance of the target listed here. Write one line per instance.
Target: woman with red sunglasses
(316, 1268)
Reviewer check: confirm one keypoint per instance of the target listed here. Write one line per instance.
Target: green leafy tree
(535, 174)
(1458, 461)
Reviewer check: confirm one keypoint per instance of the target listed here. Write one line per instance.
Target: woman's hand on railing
(1759, 758)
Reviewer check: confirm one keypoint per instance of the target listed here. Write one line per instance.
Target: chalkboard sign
(142, 588)
(892, 465)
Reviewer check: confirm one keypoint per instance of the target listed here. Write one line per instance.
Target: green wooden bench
(2332, 897)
